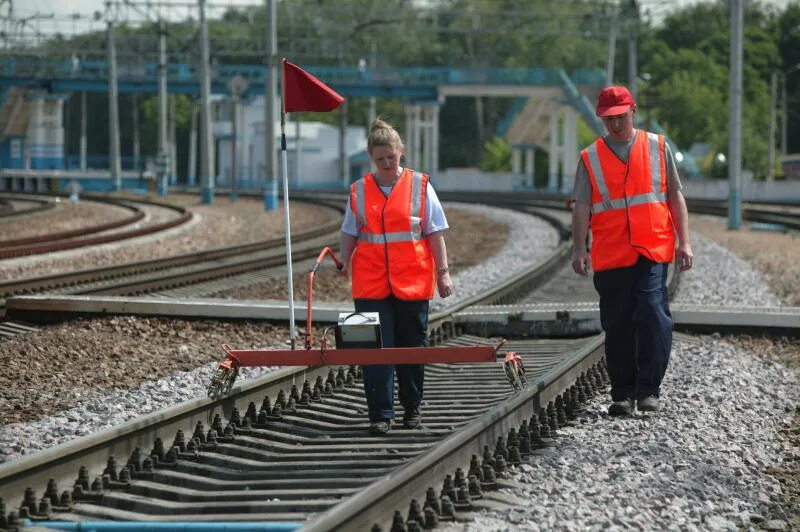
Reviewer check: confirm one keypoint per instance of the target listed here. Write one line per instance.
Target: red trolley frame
(226, 373)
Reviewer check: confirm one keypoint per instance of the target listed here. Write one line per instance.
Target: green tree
(496, 156)
(787, 28)
(687, 60)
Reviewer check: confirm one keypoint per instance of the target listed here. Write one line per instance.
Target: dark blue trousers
(634, 313)
(403, 324)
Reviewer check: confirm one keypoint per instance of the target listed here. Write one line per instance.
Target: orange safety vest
(630, 213)
(392, 255)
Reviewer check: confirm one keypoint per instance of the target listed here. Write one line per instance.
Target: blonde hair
(383, 134)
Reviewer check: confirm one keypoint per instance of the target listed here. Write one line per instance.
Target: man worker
(627, 189)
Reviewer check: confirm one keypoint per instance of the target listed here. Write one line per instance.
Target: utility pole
(784, 115)
(633, 50)
(113, 105)
(612, 46)
(192, 173)
(83, 131)
(735, 129)
(237, 87)
(298, 150)
(373, 60)
(163, 154)
(271, 82)
(173, 146)
(234, 145)
(136, 142)
(206, 142)
(773, 104)
(343, 166)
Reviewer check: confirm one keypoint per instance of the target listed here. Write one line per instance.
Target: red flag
(304, 92)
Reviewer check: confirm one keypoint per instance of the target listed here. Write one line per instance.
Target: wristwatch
(443, 269)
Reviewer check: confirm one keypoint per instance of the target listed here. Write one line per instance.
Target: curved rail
(121, 276)
(9, 211)
(60, 235)
(61, 241)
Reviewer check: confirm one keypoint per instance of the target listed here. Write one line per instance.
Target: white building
(317, 166)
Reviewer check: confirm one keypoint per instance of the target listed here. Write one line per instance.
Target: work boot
(621, 408)
(379, 428)
(649, 404)
(412, 418)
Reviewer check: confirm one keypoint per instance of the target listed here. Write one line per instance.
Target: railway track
(98, 234)
(291, 447)
(14, 205)
(177, 270)
(294, 453)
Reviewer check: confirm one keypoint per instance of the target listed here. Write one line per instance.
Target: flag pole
(285, 177)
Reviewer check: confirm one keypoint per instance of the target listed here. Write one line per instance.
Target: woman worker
(393, 232)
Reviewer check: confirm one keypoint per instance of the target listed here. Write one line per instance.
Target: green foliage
(787, 28)
(685, 60)
(496, 156)
(688, 65)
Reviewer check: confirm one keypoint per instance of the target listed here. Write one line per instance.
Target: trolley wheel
(521, 374)
(512, 376)
(515, 371)
(222, 381)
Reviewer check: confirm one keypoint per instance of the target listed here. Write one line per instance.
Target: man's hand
(581, 263)
(685, 256)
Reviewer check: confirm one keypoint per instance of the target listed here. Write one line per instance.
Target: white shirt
(433, 221)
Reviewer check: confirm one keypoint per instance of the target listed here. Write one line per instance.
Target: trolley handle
(339, 265)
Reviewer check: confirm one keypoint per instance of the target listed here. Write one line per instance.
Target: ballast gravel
(702, 463)
(699, 464)
(735, 281)
(710, 460)
(530, 241)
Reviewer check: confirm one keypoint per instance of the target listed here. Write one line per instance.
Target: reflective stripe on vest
(607, 204)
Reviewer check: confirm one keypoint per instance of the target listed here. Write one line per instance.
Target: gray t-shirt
(582, 189)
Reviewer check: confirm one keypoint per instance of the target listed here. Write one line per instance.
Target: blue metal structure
(53, 75)
(410, 82)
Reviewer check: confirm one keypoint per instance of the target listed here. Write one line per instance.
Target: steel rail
(49, 282)
(61, 244)
(782, 214)
(62, 462)
(221, 267)
(82, 231)
(375, 504)
(9, 211)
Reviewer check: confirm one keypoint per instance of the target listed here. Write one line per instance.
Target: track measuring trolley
(358, 342)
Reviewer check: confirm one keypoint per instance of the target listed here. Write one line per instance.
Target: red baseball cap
(614, 101)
